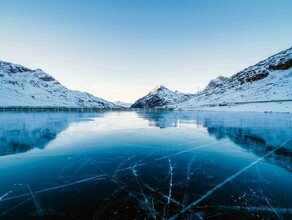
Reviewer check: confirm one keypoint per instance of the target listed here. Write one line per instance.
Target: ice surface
(154, 165)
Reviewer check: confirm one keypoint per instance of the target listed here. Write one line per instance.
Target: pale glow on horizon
(112, 91)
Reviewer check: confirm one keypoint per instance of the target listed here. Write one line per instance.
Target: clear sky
(120, 49)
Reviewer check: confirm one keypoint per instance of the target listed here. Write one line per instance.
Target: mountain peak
(160, 96)
(158, 88)
(12, 68)
(215, 83)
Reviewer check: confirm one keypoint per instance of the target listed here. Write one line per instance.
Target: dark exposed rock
(47, 78)
(253, 77)
(155, 101)
(13, 68)
(282, 66)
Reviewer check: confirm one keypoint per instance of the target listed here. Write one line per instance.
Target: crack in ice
(100, 177)
(145, 203)
(187, 150)
(230, 178)
(170, 180)
(15, 207)
(160, 193)
(6, 194)
(82, 165)
(266, 199)
(188, 175)
(38, 208)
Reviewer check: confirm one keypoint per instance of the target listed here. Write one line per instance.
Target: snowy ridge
(160, 96)
(214, 83)
(20, 86)
(268, 80)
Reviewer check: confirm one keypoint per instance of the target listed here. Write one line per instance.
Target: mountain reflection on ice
(145, 164)
(256, 132)
(21, 132)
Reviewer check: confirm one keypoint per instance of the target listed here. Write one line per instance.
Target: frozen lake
(146, 164)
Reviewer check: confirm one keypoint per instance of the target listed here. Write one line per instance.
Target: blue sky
(120, 49)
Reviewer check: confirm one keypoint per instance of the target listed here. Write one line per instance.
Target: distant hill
(160, 96)
(123, 104)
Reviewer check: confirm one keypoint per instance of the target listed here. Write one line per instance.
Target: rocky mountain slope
(268, 80)
(214, 83)
(20, 86)
(160, 96)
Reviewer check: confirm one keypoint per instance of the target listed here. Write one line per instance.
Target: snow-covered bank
(281, 107)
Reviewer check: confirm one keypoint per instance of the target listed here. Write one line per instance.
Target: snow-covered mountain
(20, 86)
(268, 80)
(160, 96)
